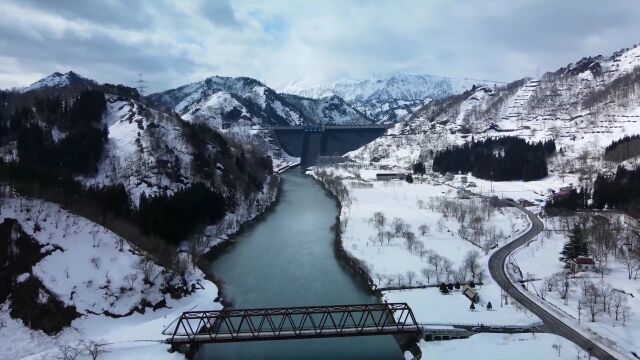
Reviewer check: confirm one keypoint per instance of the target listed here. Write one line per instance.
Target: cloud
(173, 42)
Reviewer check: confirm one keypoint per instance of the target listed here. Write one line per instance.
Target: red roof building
(582, 263)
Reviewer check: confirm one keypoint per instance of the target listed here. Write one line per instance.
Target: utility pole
(579, 310)
(141, 85)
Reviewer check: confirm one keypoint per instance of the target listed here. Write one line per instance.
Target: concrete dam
(311, 142)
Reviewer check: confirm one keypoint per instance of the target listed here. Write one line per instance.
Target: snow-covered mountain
(58, 80)
(328, 110)
(388, 98)
(582, 106)
(224, 101)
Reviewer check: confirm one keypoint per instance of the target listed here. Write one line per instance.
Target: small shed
(470, 293)
(582, 263)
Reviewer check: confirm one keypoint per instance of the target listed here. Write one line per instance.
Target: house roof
(584, 261)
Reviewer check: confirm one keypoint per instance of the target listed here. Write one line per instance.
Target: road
(498, 273)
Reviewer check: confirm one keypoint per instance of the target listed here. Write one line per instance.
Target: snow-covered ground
(503, 347)
(390, 262)
(95, 272)
(540, 260)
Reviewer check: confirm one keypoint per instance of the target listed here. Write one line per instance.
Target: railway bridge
(237, 325)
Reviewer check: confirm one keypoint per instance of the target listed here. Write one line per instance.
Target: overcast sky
(173, 42)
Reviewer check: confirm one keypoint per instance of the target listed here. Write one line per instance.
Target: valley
(504, 215)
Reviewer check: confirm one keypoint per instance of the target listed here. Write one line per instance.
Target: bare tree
(148, 269)
(427, 274)
(397, 226)
(630, 261)
(38, 213)
(471, 263)
(619, 301)
(410, 276)
(198, 246)
(93, 349)
(131, 279)
(410, 239)
(561, 284)
(388, 235)
(592, 299)
(435, 260)
(69, 352)
(424, 229)
(447, 268)
(120, 241)
(379, 220)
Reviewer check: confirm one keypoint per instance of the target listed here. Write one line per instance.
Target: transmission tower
(141, 85)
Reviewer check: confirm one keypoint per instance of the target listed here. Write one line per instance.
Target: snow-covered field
(540, 260)
(96, 272)
(391, 263)
(503, 347)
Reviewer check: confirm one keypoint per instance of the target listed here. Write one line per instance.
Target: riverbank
(220, 247)
(288, 258)
(354, 263)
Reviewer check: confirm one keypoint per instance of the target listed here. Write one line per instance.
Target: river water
(288, 259)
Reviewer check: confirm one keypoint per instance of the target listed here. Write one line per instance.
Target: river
(288, 259)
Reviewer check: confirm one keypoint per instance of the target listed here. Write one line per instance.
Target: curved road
(498, 273)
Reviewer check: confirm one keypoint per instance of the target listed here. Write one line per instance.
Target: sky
(175, 42)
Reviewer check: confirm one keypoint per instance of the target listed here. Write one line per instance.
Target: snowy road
(557, 326)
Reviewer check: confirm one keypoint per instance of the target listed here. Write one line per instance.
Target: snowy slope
(57, 80)
(583, 106)
(140, 138)
(387, 99)
(217, 99)
(93, 270)
(328, 110)
(221, 102)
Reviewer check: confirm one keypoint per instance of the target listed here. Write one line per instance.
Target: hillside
(137, 185)
(582, 106)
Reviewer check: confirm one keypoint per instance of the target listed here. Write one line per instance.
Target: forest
(621, 192)
(623, 149)
(500, 159)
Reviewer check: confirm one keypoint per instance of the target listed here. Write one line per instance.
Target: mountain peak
(57, 80)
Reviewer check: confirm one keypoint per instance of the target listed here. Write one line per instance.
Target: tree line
(623, 149)
(499, 159)
(620, 191)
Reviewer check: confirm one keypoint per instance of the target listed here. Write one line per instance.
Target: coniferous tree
(576, 246)
(489, 306)
(419, 168)
(444, 289)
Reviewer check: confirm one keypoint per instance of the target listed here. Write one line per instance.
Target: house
(561, 194)
(463, 179)
(471, 184)
(582, 263)
(631, 219)
(448, 176)
(470, 293)
(389, 176)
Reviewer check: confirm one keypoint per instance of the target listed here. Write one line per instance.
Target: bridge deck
(291, 334)
(237, 325)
